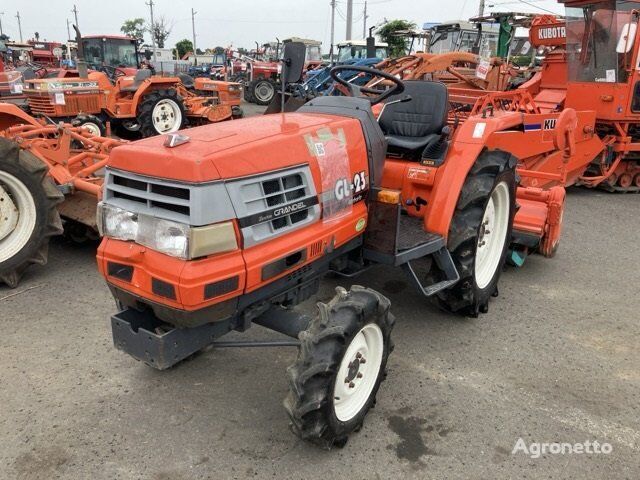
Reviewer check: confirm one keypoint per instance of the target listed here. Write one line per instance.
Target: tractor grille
(193, 204)
(40, 105)
(265, 206)
(74, 104)
(274, 203)
(280, 191)
(148, 194)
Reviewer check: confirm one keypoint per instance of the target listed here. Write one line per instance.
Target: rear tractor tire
(341, 362)
(160, 112)
(480, 232)
(28, 215)
(262, 91)
(93, 124)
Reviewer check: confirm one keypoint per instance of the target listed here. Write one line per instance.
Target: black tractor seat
(141, 76)
(186, 80)
(411, 127)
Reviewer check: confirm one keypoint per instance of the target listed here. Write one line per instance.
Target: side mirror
(627, 37)
(293, 59)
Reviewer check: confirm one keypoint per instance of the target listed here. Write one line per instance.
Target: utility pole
(333, 28)
(364, 18)
(349, 18)
(153, 37)
(193, 28)
(19, 25)
(1, 13)
(481, 9)
(75, 13)
(68, 31)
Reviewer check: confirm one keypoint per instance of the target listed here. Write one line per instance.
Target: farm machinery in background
(588, 66)
(140, 104)
(261, 78)
(48, 172)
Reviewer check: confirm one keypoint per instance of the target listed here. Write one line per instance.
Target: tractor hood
(237, 148)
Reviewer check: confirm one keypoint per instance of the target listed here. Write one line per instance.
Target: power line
(536, 6)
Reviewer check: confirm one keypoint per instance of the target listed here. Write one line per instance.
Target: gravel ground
(555, 360)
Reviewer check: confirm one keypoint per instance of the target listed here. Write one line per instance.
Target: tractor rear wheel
(262, 91)
(92, 123)
(28, 215)
(479, 233)
(161, 111)
(341, 362)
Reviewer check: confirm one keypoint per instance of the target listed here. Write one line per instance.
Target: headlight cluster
(165, 236)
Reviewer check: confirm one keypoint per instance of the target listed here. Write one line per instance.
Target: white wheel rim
(17, 216)
(264, 91)
(358, 372)
(166, 116)
(493, 235)
(93, 128)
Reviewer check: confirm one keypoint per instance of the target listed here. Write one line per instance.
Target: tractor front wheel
(28, 215)
(93, 124)
(262, 91)
(480, 232)
(341, 362)
(161, 111)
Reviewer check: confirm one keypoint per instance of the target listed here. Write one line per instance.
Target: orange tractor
(326, 188)
(48, 172)
(143, 103)
(590, 67)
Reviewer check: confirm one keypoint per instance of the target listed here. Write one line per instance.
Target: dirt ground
(554, 360)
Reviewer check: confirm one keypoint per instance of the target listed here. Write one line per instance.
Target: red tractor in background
(262, 78)
(326, 188)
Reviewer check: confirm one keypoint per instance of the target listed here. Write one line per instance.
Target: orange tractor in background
(48, 173)
(589, 65)
(329, 187)
(143, 103)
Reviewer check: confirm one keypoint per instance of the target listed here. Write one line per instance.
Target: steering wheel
(112, 72)
(357, 91)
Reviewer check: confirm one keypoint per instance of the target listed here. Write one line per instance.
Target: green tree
(397, 43)
(183, 47)
(134, 28)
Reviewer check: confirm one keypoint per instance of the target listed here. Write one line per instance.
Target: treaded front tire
(467, 296)
(23, 169)
(312, 405)
(145, 112)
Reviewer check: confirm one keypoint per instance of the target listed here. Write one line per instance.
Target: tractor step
(396, 239)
